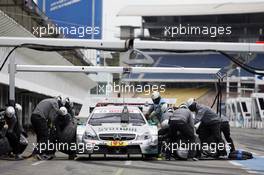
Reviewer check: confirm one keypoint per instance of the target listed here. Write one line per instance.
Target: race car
(117, 130)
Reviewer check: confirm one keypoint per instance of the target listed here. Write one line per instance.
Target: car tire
(149, 156)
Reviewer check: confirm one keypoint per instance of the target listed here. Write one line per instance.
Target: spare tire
(4, 146)
(68, 136)
(182, 153)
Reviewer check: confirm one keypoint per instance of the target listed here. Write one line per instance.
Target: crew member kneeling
(209, 127)
(42, 120)
(182, 122)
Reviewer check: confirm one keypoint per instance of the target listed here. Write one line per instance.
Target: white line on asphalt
(119, 171)
(243, 167)
(255, 154)
(39, 162)
(253, 172)
(235, 163)
(128, 162)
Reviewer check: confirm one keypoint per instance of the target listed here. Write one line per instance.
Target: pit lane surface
(118, 166)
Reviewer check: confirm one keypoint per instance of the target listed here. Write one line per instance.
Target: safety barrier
(247, 123)
(258, 124)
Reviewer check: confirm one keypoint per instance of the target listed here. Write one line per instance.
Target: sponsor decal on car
(115, 111)
(131, 129)
(117, 143)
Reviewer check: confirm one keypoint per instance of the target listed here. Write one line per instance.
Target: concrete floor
(247, 139)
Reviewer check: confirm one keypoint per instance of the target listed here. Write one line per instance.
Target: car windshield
(99, 118)
(81, 121)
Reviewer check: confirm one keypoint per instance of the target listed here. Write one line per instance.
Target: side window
(261, 103)
(244, 106)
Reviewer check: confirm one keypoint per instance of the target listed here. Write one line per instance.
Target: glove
(25, 134)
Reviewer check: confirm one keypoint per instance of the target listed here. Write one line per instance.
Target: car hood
(118, 128)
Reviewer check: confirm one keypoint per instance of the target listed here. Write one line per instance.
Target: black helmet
(191, 103)
(59, 100)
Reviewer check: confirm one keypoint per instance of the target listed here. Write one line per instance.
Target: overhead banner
(259, 79)
(74, 18)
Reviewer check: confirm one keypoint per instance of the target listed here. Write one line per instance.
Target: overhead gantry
(121, 46)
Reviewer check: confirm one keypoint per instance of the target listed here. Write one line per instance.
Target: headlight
(90, 136)
(144, 136)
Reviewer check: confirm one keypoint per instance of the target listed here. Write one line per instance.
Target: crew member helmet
(10, 112)
(63, 111)
(155, 97)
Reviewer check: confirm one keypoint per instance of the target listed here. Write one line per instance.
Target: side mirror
(78, 121)
(91, 109)
(152, 123)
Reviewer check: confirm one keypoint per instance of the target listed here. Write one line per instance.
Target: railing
(248, 123)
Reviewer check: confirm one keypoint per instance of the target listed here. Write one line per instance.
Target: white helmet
(155, 95)
(170, 110)
(59, 98)
(164, 107)
(67, 100)
(183, 106)
(18, 107)
(190, 102)
(165, 124)
(63, 110)
(10, 111)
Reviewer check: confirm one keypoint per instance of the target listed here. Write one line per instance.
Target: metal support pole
(73, 43)
(239, 91)
(227, 87)
(112, 69)
(93, 17)
(44, 6)
(12, 73)
(125, 45)
(187, 45)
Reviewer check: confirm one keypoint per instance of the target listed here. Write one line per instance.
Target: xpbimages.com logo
(79, 31)
(129, 88)
(210, 31)
(212, 147)
(75, 147)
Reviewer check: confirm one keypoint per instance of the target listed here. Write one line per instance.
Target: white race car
(117, 130)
